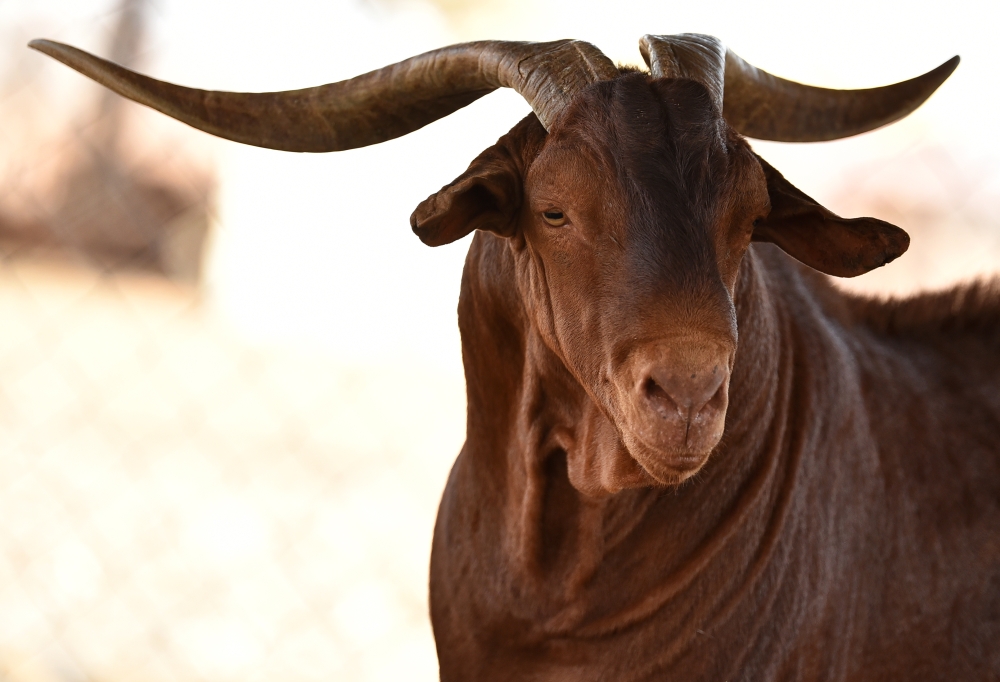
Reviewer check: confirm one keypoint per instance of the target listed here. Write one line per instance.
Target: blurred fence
(179, 504)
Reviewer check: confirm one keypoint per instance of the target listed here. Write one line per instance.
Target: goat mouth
(670, 450)
(681, 444)
(666, 466)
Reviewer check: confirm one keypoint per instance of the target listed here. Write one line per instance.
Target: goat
(688, 456)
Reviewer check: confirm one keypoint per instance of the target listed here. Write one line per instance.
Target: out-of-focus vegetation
(101, 201)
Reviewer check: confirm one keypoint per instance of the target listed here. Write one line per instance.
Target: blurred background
(230, 378)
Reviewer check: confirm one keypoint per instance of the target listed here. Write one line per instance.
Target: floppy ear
(820, 238)
(487, 196)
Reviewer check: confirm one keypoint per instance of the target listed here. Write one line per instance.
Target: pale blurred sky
(316, 249)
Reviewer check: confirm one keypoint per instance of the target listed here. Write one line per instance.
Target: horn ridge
(371, 108)
(767, 107)
(694, 56)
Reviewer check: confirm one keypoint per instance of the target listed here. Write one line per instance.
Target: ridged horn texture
(766, 107)
(372, 108)
(688, 55)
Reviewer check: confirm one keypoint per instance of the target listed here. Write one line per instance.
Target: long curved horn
(372, 108)
(770, 108)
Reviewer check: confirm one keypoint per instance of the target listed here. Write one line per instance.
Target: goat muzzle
(676, 411)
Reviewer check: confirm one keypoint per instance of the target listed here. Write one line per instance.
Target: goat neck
(555, 557)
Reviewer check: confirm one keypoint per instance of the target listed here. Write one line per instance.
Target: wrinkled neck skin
(558, 583)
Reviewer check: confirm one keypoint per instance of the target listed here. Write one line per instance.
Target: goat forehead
(666, 162)
(658, 142)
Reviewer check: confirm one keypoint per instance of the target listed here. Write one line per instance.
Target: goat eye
(757, 221)
(554, 218)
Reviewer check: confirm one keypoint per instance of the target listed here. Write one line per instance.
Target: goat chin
(671, 446)
(669, 467)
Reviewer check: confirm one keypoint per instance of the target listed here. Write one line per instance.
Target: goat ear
(820, 238)
(487, 196)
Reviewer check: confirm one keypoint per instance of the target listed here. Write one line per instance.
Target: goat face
(628, 223)
(632, 284)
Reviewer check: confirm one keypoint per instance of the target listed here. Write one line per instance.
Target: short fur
(846, 523)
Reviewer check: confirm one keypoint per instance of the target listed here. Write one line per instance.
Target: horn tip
(943, 72)
(946, 69)
(49, 47)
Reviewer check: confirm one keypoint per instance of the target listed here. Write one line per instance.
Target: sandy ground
(178, 505)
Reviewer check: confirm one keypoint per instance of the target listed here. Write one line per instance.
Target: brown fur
(600, 525)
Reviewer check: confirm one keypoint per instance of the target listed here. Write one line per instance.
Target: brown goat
(689, 457)
(846, 527)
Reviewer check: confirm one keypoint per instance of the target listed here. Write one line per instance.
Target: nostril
(656, 394)
(686, 395)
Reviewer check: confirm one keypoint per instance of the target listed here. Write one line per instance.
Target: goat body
(846, 527)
